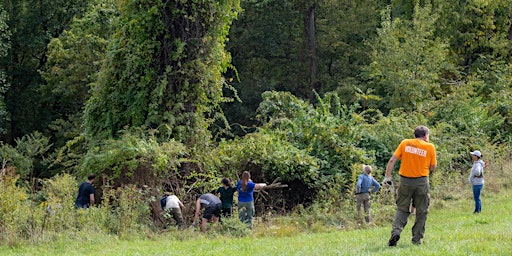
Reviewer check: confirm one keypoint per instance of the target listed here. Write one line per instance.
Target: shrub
(19, 217)
(59, 193)
(124, 155)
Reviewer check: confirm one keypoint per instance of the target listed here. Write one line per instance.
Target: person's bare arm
(433, 168)
(260, 186)
(391, 165)
(91, 199)
(198, 209)
(181, 205)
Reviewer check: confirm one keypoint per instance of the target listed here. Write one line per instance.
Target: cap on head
(476, 153)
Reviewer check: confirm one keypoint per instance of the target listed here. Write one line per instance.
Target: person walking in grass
(246, 189)
(226, 192)
(418, 161)
(365, 182)
(476, 177)
(85, 197)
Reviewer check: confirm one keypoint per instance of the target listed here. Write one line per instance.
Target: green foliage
(123, 211)
(58, 201)
(407, 60)
(35, 146)
(315, 145)
(11, 157)
(381, 138)
(476, 30)
(231, 227)
(163, 70)
(272, 52)
(32, 24)
(30, 157)
(18, 217)
(73, 61)
(131, 151)
(328, 132)
(5, 45)
(129, 210)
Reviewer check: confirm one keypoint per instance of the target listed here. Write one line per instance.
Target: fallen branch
(273, 185)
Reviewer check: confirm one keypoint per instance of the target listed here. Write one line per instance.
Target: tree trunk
(310, 34)
(510, 29)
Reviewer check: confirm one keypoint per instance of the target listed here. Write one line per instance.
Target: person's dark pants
(178, 217)
(226, 212)
(417, 190)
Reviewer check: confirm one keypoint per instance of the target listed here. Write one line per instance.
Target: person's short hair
(91, 176)
(420, 131)
(367, 169)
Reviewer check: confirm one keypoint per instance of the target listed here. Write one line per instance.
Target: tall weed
(19, 218)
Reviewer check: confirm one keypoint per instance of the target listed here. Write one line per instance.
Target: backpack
(163, 202)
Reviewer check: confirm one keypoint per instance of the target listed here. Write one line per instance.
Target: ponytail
(245, 179)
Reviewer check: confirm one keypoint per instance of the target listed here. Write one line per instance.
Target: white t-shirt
(172, 202)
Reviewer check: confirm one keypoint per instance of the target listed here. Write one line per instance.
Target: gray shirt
(209, 199)
(476, 177)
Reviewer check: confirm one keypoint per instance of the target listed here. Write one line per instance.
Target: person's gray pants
(364, 200)
(246, 212)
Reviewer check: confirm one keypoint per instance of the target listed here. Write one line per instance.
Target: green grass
(451, 230)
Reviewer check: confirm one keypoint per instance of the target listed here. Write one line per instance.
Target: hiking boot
(393, 240)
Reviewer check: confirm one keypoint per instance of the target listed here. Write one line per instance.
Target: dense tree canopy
(197, 89)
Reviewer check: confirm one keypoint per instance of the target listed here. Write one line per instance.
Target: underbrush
(124, 212)
(51, 212)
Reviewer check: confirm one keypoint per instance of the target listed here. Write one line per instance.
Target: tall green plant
(328, 131)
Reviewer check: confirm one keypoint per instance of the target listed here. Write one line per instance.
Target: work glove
(387, 181)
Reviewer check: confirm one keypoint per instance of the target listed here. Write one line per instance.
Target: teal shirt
(226, 196)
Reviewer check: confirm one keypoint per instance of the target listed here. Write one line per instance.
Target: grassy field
(451, 230)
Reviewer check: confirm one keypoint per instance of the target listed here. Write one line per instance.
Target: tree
(300, 46)
(73, 61)
(478, 32)
(163, 70)
(5, 34)
(33, 24)
(407, 60)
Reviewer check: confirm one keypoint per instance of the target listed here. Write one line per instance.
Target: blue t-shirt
(246, 196)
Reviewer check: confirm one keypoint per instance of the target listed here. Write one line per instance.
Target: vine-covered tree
(163, 70)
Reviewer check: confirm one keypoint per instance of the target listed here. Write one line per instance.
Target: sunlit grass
(451, 230)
